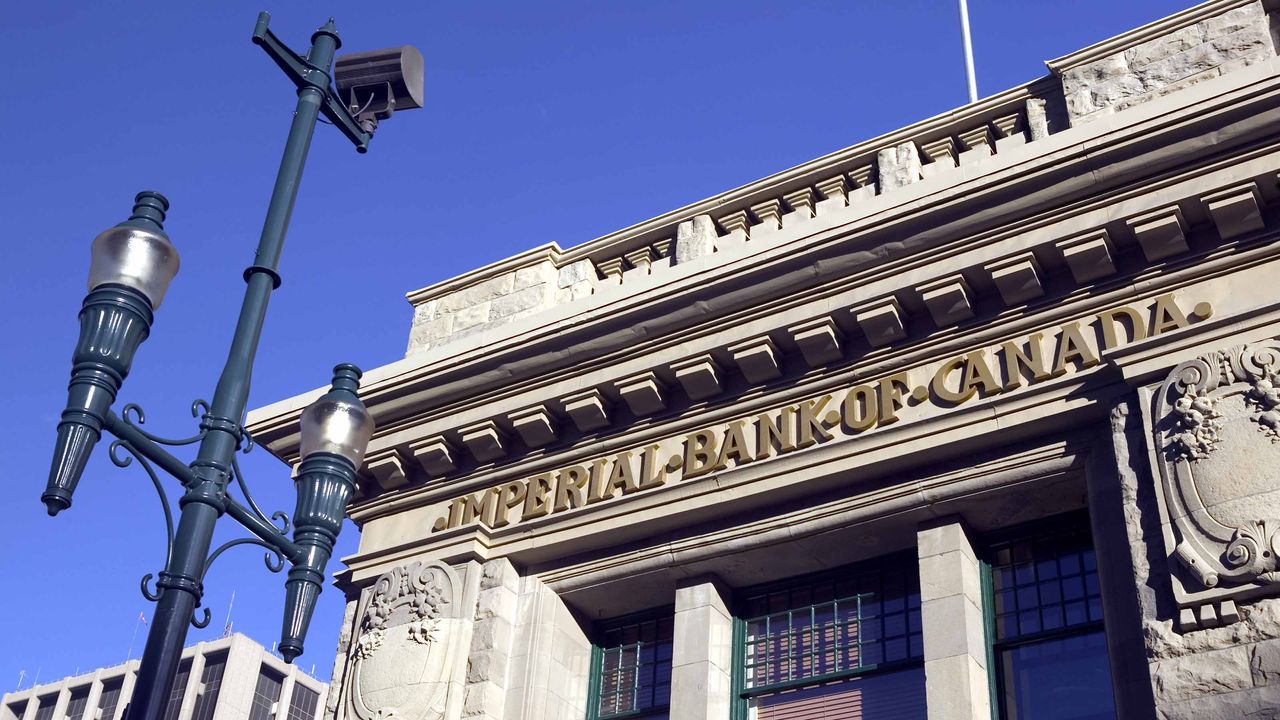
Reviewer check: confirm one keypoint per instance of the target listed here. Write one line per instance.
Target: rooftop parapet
(1202, 42)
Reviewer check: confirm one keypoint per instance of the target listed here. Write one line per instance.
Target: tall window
(207, 691)
(44, 711)
(631, 674)
(174, 705)
(76, 704)
(266, 694)
(1048, 645)
(109, 699)
(302, 704)
(843, 645)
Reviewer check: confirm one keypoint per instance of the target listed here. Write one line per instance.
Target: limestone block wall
(1171, 61)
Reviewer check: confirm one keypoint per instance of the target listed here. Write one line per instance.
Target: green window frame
(859, 620)
(635, 652)
(1040, 584)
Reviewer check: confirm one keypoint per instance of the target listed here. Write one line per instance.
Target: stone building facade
(231, 678)
(970, 420)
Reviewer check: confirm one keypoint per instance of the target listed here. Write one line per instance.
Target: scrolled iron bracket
(126, 461)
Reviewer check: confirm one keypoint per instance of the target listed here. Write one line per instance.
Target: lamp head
(377, 83)
(132, 265)
(335, 432)
(137, 252)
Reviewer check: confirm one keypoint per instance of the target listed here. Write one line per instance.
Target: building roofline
(1150, 31)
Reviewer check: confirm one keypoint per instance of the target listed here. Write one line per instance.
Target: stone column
(551, 662)
(95, 694)
(491, 641)
(702, 656)
(286, 693)
(239, 678)
(126, 688)
(64, 696)
(957, 684)
(190, 693)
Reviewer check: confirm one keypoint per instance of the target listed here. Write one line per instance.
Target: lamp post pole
(203, 502)
(133, 264)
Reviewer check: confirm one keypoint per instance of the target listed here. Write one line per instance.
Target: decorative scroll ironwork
(273, 558)
(253, 505)
(134, 417)
(126, 461)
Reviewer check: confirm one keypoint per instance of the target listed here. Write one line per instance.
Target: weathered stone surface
(1251, 704)
(1264, 661)
(534, 297)
(1168, 63)
(898, 166)
(579, 271)
(480, 292)
(695, 238)
(1207, 673)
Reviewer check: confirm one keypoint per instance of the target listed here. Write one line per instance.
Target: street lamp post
(132, 266)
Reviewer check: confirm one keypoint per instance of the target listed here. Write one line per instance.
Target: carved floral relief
(1215, 431)
(408, 638)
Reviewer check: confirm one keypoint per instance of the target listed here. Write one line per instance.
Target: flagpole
(141, 619)
(968, 51)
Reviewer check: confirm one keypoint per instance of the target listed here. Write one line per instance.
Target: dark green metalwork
(114, 320)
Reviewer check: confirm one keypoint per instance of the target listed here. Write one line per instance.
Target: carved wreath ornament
(406, 646)
(1215, 424)
(424, 598)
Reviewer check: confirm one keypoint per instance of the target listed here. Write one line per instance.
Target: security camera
(375, 84)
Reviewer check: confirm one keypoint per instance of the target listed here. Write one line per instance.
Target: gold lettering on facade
(1015, 361)
(699, 453)
(1133, 321)
(1072, 347)
(774, 435)
(569, 487)
(1167, 316)
(939, 383)
(867, 405)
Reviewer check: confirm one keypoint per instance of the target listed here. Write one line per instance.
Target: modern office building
(233, 678)
(979, 418)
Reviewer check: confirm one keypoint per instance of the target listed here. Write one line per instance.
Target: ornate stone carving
(1214, 425)
(409, 638)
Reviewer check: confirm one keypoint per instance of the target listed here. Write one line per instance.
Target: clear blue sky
(544, 121)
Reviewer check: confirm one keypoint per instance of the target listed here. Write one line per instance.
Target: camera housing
(375, 84)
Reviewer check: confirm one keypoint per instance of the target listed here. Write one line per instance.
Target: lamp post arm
(304, 73)
(148, 448)
(265, 531)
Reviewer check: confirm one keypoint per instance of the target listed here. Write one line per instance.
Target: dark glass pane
(110, 699)
(174, 705)
(210, 684)
(44, 711)
(635, 667)
(265, 695)
(76, 703)
(1066, 678)
(302, 703)
(889, 696)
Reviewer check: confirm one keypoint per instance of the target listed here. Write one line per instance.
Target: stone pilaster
(492, 639)
(701, 658)
(955, 647)
(551, 661)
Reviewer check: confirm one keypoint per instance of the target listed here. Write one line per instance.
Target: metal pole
(968, 51)
(204, 501)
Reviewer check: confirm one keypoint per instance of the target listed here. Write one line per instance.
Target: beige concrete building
(233, 678)
(975, 419)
